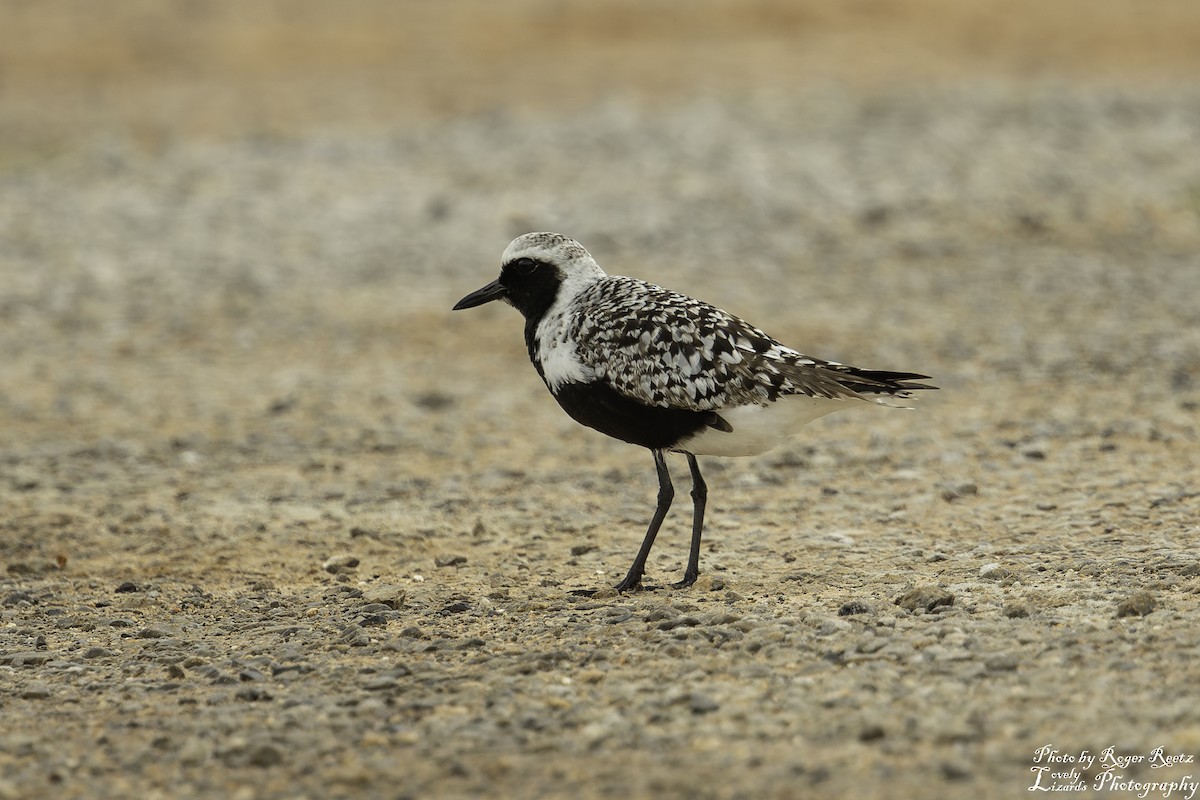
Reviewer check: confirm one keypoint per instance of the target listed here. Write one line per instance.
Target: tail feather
(881, 381)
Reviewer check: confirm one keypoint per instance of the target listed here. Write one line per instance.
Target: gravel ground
(277, 524)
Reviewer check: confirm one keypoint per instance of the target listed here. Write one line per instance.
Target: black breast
(598, 406)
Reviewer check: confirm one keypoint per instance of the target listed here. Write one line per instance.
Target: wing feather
(666, 349)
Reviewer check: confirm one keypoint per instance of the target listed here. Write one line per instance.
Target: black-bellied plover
(658, 369)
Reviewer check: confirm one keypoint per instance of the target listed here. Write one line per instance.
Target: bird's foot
(624, 587)
(605, 591)
(688, 580)
(630, 583)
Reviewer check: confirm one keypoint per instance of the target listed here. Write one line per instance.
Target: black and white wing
(665, 349)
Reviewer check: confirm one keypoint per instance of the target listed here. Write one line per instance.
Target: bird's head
(536, 270)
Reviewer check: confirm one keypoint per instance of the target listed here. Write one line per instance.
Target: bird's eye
(524, 266)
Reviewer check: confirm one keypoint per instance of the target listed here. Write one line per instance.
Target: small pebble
(386, 594)
(375, 608)
(872, 732)
(354, 636)
(678, 622)
(24, 568)
(994, 572)
(338, 564)
(1015, 610)
(953, 771)
(952, 492)
(195, 751)
(263, 755)
(853, 607)
(925, 597)
(832, 625)
(152, 632)
(700, 703)
(18, 598)
(872, 644)
(1002, 662)
(28, 658)
(1138, 604)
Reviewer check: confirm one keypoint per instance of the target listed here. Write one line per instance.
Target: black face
(529, 285)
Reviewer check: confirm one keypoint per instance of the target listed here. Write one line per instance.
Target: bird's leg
(699, 497)
(666, 493)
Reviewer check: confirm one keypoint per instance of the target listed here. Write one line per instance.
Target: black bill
(493, 291)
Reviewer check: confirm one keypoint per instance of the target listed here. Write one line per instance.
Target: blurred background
(209, 208)
(160, 70)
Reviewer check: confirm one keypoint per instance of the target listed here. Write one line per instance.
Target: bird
(658, 369)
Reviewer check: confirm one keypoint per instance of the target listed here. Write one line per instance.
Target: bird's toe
(688, 580)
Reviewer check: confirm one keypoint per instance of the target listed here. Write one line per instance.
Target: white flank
(559, 355)
(561, 364)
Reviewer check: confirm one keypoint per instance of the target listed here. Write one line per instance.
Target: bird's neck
(531, 343)
(547, 309)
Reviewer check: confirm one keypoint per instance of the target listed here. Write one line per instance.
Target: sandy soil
(275, 523)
